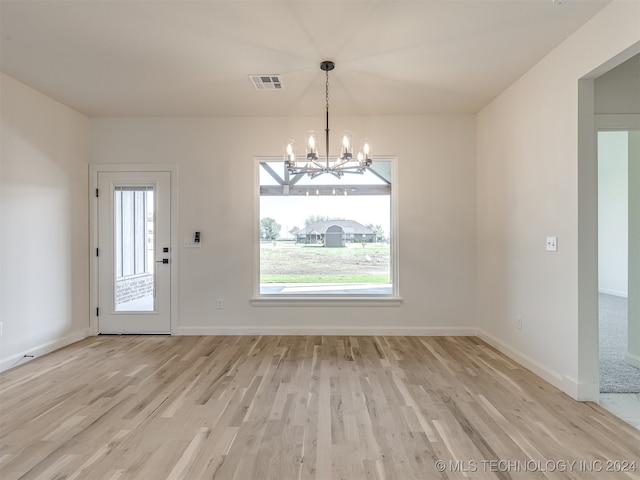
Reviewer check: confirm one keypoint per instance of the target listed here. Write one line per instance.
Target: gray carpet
(616, 376)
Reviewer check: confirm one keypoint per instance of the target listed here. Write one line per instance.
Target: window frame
(313, 300)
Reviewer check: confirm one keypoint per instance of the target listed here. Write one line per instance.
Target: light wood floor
(300, 407)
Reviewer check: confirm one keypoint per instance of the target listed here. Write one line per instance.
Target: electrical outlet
(519, 322)
(219, 304)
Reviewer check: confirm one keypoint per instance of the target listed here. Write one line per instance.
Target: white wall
(613, 212)
(44, 223)
(529, 182)
(216, 196)
(617, 91)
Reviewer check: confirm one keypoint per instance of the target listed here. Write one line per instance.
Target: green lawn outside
(285, 278)
(290, 263)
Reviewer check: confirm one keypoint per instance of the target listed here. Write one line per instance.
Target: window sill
(325, 301)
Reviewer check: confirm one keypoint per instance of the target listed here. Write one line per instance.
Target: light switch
(552, 244)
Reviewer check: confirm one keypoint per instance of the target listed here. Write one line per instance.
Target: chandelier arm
(316, 165)
(340, 163)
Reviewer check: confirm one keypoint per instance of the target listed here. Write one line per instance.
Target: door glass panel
(134, 226)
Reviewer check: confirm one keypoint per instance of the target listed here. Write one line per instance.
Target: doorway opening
(618, 246)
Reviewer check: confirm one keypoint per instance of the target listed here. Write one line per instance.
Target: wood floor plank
(297, 407)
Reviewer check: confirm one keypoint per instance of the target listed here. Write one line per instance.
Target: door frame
(94, 169)
(586, 385)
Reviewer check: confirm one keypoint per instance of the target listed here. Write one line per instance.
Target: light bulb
(366, 148)
(346, 146)
(311, 145)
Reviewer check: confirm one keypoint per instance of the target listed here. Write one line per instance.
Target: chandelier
(311, 164)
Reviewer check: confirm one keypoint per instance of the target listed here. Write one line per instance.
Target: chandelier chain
(326, 74)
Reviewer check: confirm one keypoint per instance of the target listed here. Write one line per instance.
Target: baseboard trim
(581, 391)
(38, 351)
(577, 391)
(632, 359)
(615, 293)
(339, 331)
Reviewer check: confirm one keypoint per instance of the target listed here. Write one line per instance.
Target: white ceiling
(193, 58)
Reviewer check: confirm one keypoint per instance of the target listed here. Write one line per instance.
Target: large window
(326, 236)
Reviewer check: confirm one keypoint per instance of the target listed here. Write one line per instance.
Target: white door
(134, 252)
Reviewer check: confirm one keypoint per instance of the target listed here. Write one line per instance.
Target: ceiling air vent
(266, 82)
